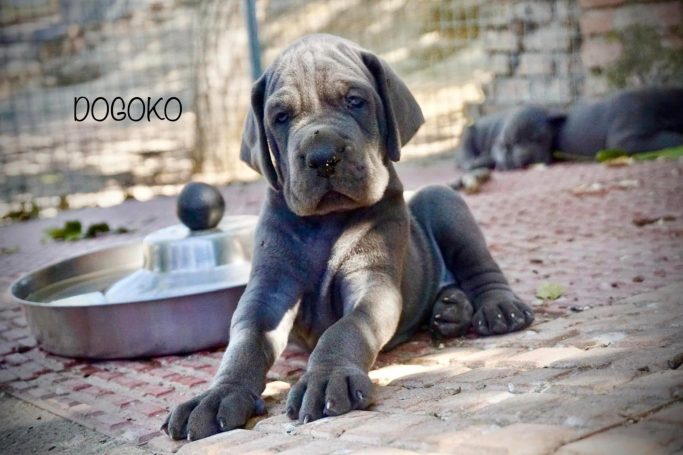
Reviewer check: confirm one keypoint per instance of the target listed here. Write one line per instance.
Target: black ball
(200, 206)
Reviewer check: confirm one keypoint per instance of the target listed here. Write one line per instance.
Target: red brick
(28, 342)
(144, 408)
(156, 391)
(597, 21)
(96, 392)
(600, 52)
(197, 363)
(19, 322)
(30, 371)
(600, 3)
(84, 410)
(143, 367)
(63, 402)
(108, 422)
(162, 373)
(189, 381)
(127, 381)
(52, 362)
(7, 375)
(383, 428)
(21, 386)
(40, 392)
(120, 401)
(139, 435)
(107, 375)
(74, 385)
(538, 439)
(14, 334)
(614, 442)
(7, 348)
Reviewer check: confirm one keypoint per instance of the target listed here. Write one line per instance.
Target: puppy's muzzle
(324, 151)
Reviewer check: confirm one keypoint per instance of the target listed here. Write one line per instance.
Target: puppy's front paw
(329, 392)
(221, 408)
(502, 314)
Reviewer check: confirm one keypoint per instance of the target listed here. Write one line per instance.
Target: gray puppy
(631, 121)
(342, 265)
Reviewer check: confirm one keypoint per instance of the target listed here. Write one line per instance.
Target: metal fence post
(252, 32)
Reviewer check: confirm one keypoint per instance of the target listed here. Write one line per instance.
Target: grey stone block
(500, 40)
(553, 90)
(533, 12)
(554, 36)
(512, 90)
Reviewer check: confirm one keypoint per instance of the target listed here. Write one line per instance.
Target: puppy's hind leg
(649, 143)
(443, 214)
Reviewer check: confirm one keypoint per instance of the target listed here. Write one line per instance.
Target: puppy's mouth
(334, 201)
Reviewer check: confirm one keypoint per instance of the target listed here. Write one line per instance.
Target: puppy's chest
(322, 303)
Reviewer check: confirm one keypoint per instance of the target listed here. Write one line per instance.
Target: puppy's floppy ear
(402, 113)
(254, 149)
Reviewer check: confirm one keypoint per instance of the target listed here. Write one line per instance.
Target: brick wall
(553, 52)
(533, 50)
(630, 43)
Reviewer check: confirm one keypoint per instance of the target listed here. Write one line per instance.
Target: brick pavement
(592, 381)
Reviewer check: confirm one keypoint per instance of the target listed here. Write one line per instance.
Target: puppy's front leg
(337, 381)
(258, 335)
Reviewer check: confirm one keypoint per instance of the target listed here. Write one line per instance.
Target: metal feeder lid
(198, 256)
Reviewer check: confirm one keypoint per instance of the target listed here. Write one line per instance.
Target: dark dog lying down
(632, 121)
(341, 263)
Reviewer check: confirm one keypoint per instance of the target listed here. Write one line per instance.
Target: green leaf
(71, 231)
(95, 229)
(609, 154)
(549, 291)
(669, 153)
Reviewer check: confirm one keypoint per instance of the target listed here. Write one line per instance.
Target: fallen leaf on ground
(628, 183)
(549, 291)
(73, 230)
(668, 153)
(589, 189)
(472, 181)
(644, 221)
(600, 188)
(70, 231)
(619, 161)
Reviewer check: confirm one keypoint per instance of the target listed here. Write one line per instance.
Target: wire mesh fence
(461, 58)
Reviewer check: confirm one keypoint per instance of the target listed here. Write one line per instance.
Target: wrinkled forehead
(308, 74)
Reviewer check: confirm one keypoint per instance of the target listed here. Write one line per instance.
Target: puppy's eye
(281, 117)
(355, 101)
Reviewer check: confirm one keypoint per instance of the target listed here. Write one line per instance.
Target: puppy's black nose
(324, 162)
(324, 148)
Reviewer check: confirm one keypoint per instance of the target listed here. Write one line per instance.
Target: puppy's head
(526, 138)
(326, 119)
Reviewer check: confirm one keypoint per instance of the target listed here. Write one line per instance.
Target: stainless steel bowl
(68, 316)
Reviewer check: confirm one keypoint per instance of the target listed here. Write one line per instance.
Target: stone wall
(533, 51)
(631, 43)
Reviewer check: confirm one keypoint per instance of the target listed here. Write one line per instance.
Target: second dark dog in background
(632, 121)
